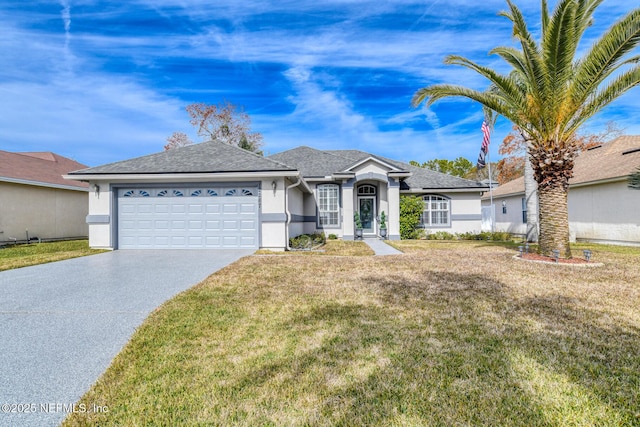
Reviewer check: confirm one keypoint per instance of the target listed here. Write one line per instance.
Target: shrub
(497, 236)
(441, 235)
(332, 237)
(411, 208)
(307, 241)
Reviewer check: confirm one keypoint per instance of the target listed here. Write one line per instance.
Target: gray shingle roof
(206, 157)
(317, 163)
(313, 163)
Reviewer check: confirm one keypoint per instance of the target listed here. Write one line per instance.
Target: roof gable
(39, 168)
(318, 163)
(205, 157)
(371, 161)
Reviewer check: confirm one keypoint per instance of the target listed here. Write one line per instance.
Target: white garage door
(188, 218)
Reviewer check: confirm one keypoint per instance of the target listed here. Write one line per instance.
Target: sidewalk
(380, 247)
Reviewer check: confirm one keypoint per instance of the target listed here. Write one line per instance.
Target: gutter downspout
(286, 209)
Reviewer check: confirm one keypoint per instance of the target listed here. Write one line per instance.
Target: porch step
(380, 247)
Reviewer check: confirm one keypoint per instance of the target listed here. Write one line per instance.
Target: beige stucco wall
(48, 213)
(296, 209)
(466, 212)
(510, 222)
(605, 212)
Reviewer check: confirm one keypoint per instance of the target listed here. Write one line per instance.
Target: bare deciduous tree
(177, 139)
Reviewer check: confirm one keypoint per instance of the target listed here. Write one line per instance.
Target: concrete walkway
(62, 323)
(381, 248)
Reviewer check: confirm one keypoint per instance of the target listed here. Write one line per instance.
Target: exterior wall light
(96, 189)
(274, 185)
(504, 206)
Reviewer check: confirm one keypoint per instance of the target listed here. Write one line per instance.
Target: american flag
(485, 145)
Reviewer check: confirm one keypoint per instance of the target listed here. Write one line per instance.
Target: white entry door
(188, 218)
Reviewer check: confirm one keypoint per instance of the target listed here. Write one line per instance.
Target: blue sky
(102, 81)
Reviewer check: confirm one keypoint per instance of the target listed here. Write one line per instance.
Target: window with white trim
(436, 211)
(328, 205)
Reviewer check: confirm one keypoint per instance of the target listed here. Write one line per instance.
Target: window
(524, 210)
(436, 211)
(366, 190)
(328, 205)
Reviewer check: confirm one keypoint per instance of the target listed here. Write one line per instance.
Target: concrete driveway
(62, 323)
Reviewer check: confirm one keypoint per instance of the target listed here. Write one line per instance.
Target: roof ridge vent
(594, 147)
(633, 150)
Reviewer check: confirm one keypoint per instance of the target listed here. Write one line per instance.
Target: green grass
(40, 253)
(447, 334)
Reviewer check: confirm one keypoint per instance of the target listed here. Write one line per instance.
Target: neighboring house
(212, 195)
(36, 201)
(602, 207)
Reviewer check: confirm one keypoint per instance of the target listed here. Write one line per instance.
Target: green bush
(411, 208)
(307, 241)
(441, 235)
(497, 236)
(332, 237)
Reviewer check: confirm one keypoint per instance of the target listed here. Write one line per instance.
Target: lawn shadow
(456, 349)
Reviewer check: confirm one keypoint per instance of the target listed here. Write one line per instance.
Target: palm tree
(550, 93)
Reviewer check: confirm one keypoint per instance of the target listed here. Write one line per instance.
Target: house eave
(399, 174)
(371, 159)
(172, 176)
(45, 184)
(445, 190)
(598, 181)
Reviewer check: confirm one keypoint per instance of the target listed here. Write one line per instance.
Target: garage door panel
(195, 225)
(212, 225)
(248, 208)
(248, 224)
(162, 208)
(230, 208)
(203, 221)
(194, 208)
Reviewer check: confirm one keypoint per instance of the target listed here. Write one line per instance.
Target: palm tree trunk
(554, 220)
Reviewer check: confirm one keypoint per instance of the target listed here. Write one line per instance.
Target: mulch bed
(578, 262)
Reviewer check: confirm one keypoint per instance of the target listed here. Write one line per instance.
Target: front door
(367, 210)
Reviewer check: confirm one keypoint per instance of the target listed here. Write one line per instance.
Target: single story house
(213, 195)
(602, 207)
(36, 201)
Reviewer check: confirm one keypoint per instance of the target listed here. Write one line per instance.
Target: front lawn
(453, 333)
(16, 256)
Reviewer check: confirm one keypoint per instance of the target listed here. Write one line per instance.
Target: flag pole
(484, 158)
(493, 208)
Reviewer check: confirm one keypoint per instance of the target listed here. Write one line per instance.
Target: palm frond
(494, 102)
(512, 56)
(535, 70)
(602, 98)
(605, 56)
(507, 86)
